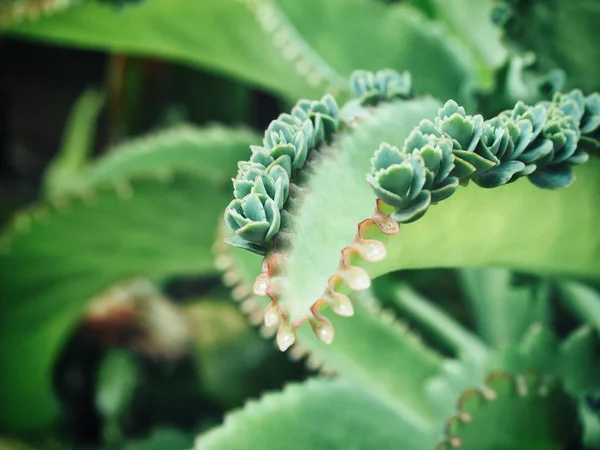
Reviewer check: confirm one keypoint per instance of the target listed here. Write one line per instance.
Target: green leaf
(162, 439)
(537, 351)
(181, 148)
(517, 225)
(546, 28)
(372, 35)
(316, 415)
(295, 49)
(59, 259)
(580, 361)
(252, 41)
(338, 193)
(438, 322)
(502, 312)
(56, 257)
(583, 301)
(382, 355)
(76, 148)
(233, 362)
(371, 349)
(514, 413)
(117, 377)
(471, 23)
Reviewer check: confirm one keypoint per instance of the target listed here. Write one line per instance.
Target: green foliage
(49, 291)
(350, 418)
(76, 147)
(494, 365)
(436, 154)
(292, 49)
(509, 392)
(546, 28)
(503, 312)
(540, 142)
(514, 413)
(117, 379)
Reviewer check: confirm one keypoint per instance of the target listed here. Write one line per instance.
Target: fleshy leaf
(48, 285)
(317, 414)
(516, 413)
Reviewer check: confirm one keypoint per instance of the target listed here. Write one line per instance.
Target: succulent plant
(383, 85)
(262, 185)
(509, 381)
(540, 142)
(410, 180)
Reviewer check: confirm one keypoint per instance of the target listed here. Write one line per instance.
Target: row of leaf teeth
(273, 282)
(308, 65)
(242, 293)
(239, 290)
(487, 394)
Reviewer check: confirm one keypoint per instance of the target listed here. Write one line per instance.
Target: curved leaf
(546, 28)
(77, 143)
(248, 40)
(371, 35)
(373, 349)
(518, 225)
(317, 414)
(296, 49)
(583, 301)
(57, 256)
(320, 254)
(514, 413)
(181, 148)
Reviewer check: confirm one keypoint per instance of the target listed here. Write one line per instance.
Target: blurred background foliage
(116, 330)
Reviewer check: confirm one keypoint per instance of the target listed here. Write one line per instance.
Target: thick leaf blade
(56, 258)
(370, 349)
(372, 35)
(317, 414)
(223, 36)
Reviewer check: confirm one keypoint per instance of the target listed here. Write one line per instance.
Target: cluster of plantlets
(541, 143)
(262, 185)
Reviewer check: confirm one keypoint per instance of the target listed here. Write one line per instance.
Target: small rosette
(385, 85)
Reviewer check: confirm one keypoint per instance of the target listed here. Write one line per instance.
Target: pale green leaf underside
(315, 415)
(57, 258)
